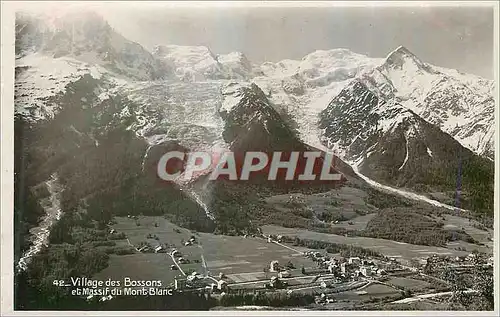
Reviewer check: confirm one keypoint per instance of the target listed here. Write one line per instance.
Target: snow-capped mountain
(334, 99)
(392, 144)
(252, 124)
(53, 52)
(198, 63)
(461, 105)
(88, 38)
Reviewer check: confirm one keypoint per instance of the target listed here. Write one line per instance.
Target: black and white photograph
(250, 157)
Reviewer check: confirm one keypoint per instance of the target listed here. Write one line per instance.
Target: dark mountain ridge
(397, 147)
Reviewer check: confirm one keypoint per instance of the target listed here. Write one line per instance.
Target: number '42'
(59, 283)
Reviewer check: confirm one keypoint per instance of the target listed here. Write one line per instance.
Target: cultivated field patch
(408, 283)
(241, 259)
(386, 247)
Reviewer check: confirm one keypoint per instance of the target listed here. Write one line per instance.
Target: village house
(179, 284)
(343, 267)
(274, 266)
(158, 249)
(275, 282)
(192, 277)
(381, 272)
(144, 249)
(221, 285)
(365, 271)
(332, 268)
(212, 287)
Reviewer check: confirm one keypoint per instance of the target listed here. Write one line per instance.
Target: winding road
(176, 264)
(426, 296)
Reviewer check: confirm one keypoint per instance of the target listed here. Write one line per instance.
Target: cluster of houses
(276, 283)
(324, 299)
(147, 248)
(220, 286)
(195, 280)
(159, 248)
(180, 259)
(274, 266)
(352, 267)
(191, 241)
(278, 238)
(342, 268)
(457, 261)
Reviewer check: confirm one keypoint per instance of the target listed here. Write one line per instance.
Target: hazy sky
(455, 37)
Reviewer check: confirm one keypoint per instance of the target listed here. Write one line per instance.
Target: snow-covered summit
(322, 67)
(199, 63)
(237, 65)
(190, 63)
(87, 37)
(460, 104)
(403, 57)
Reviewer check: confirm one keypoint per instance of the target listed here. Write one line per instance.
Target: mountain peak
(402, 57)
(403, 50)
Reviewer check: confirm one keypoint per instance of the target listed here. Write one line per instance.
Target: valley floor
(242, 261)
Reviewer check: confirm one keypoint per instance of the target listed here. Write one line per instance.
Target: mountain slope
(120, 88)
(198, 63)
(99, 112)
(391, 144)
(252, 124)
(88, 38)
(461, 105)
(99, 162)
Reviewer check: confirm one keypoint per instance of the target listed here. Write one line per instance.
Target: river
(39, 235)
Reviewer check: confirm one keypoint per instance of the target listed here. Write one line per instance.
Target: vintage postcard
(249, 157)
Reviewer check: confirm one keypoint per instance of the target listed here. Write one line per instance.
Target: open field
(166, 231)
(146, 267)
(408, 283)
(482, 236)
(240, 259)
(373, 290)
(345, 202)
(358, 222)
(424, 304)
(386, 247)
(378, 290)
(469, 247)
(241, 255)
